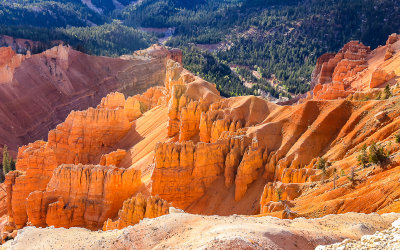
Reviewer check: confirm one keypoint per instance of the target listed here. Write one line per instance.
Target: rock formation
(207, 154)
(379, 77)
(137, 208)
(113, 159)
(282, 145)
(347, 72)
(81, 195)
(9, 61)
(52, 84)
(85, 137)
(333, 70)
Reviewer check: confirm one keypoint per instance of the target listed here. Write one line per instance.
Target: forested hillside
(268, 45)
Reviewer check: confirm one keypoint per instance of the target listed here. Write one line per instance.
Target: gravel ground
(387, 239)
(188, 231)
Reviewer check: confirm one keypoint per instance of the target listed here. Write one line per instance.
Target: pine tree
(387, 93)
(6, 161)
(12, 164)
(362, 158)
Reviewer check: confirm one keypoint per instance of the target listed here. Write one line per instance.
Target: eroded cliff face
(9, 61)
(238, 142)
(82, 196)
(137, 208)
(39, 91)
(212, 155)
(334, 71)
(353, 69)
(36, 191)
(207, 136)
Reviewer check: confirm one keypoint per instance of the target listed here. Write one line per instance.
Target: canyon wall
(241, 141)
(42, 189)
(39, 91)
(81, 196)
(190, 148)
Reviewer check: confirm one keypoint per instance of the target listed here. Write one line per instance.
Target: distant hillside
(261, 47)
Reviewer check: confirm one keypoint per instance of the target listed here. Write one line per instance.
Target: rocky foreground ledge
(387, 239)
(188, 231)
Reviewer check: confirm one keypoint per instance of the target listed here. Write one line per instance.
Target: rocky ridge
(39, 91)
(354, 68)
(86, 137)
(189, 231)
(386, 239)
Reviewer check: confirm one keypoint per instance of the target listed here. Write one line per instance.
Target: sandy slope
(188, 231)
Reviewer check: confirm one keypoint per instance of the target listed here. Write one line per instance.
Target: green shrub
(397, 136)
(321, 164)
(279, 194)
(376, 154)
(386, 94)
(362, 158)
(7, 161)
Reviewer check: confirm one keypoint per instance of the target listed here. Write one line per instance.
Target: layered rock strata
(333, 71)
(246, 138)
(85, 137)
(355, 68)
(82, 196)
(136, 209)
(220, 155)
(39, 91)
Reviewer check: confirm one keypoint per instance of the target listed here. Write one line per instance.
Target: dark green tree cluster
(386, 93)
(8, 164)
(362, 158)
(374, 154)
(48, 14)
(111, 39)
(281, 39)
(377, 154)
(208, 67)
(397, 137)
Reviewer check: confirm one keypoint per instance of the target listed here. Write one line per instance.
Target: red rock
(82, 195)
(214, 142)
(136, 209)
(380, 116)
(52, 84)
(329, 79)
(9, 61)
(278, 191)
(389, 53)
(248, 170)
(113, 159)
(379, 77)
(82, 138)
(392, 39)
